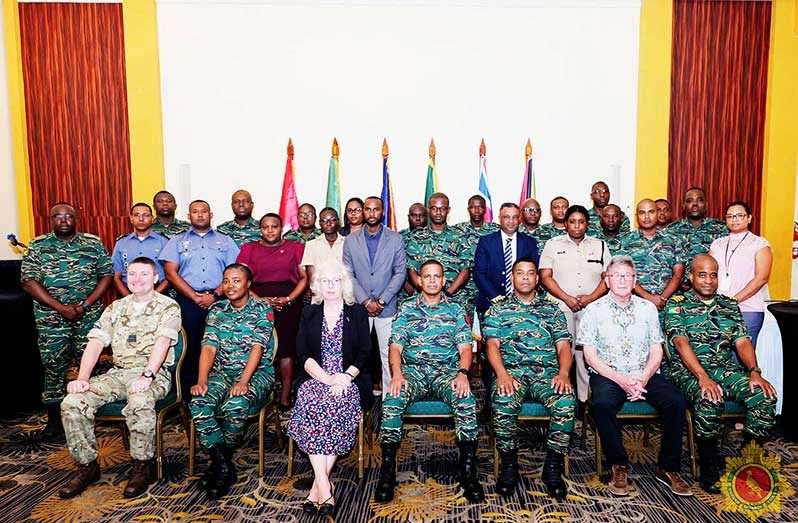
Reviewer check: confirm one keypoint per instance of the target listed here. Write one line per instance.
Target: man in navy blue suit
(495, 255)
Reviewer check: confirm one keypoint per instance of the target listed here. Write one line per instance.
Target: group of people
(667, 313)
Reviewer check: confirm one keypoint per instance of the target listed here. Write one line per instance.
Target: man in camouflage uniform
(609, 229)
(600, 195)
(529, 348)
(235, 373)
(471, 231)
(416, 218)
(695, 232)
(66, 272)
(703, 330)
(557, 208)
(243, 228)
(664, 213)
(165, 222)
(657, 258)
(530, 216)
(141, 329)
(430, 355)
(439, 241)
(307, 226)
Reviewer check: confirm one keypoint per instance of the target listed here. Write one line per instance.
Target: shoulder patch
(677, 298)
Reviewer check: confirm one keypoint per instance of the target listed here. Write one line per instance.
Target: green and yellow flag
(334, 181)
(432, 174)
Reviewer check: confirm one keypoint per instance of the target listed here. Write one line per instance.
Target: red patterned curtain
(718, 93)
(73, 61)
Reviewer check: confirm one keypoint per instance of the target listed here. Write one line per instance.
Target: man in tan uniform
(141, 329)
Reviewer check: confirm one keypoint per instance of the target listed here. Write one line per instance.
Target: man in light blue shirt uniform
(142, 242)
(194, 263)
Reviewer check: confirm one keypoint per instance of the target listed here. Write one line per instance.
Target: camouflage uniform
(132, 335)
(712, 331)
(470, 237)
(544, 233)
(173, 229)
(241, 234)
(298, 236)
(69, 271)
(429, 336)
(594, 222)
(613, 244)
(447, 247)
(233, 332)
(696, 240)
(528, 335)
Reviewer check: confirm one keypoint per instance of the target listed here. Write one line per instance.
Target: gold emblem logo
(753, 485)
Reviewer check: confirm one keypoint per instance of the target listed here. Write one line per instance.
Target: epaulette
(119, 237)
(498, 299)
(39, 238)
(677, 298)
(92, 236)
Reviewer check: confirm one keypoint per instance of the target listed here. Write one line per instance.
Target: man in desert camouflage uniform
(141, 329)
(243, 228)
(529, 348)
(470, 233)
(235, 373)
(430, 355)
(66, 272)
(307, 226)
(703, 330)
(165, 222)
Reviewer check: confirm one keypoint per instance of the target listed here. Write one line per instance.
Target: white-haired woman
(333, 347)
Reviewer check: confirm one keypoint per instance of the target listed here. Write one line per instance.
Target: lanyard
(727, 257)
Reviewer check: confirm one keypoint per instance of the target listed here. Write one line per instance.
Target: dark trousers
(194, 324)
(608, 398)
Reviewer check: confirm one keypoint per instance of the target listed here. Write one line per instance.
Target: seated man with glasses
(622, 341)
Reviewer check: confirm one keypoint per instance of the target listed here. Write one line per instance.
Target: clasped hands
(339, 383)
(634, 386)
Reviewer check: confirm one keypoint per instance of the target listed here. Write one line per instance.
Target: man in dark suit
(495, 255)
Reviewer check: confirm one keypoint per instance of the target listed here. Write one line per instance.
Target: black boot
(553, 469)
(232, 476)
(508, 475)
(472, 489)
(387, 480)
(221, 472)
(54, 428)
(708, 465)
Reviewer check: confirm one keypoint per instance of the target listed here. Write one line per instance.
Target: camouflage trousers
(77, 412)
(535, 386)
(422, 382)
(60, 341)
(232, 411)
(760, 410)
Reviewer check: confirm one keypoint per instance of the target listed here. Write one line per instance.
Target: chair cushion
(428, 407)
(637, 408)
(115, 409)
(533, 410)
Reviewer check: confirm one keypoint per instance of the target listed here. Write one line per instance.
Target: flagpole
(528, 156)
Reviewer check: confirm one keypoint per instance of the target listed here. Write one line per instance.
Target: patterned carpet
(32, 471)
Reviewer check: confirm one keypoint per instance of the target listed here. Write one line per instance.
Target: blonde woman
(333, 347)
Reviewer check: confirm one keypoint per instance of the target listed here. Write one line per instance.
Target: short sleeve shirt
(301, 237)
(654, 258)
(233, 332)
(201, 258)
(319, 249)
(696, 240)
(544, 233)
(446, 246)
(130, 246)
(621, 335)
(173, 229)
(576, 267)
(241, 234)
(613, 244)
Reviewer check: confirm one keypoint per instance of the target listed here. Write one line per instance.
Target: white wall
(240, 77)
(8, 190)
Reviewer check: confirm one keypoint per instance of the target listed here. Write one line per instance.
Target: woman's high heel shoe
(310, 507)
(327, 507)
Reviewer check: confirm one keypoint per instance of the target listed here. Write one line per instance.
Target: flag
(528, 189)
(389, 216)
(483, 188)
(432, 180)
(289, 204)
(334, 186)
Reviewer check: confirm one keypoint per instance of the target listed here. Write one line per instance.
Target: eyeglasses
(328, 220)
(330, 281)
(62, 216)
(307, 214)
(532, 210)
(601, 191)
(738, 216)
(622, 277)
(354, 210)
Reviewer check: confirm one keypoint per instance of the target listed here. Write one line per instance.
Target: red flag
(289, 205)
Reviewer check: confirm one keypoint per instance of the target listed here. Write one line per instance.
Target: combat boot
(219, 486)
(386, 484)
(232, 475)
(469, 482)
(508, 475)
(708, 465)
(54, 427)
(553, 469)
(84, 476)
(142, 473)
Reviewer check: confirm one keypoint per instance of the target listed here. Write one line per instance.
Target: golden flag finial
(482, 148)
(384, 148)
(335, 149)
(528, 149)
(290, 149)
(432, 148)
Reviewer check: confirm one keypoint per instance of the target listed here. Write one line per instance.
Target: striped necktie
(508, 266)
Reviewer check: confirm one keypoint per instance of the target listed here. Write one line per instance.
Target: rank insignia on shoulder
(677, 299)
(497, 299)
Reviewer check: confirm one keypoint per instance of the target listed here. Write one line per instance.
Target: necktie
(508, 266)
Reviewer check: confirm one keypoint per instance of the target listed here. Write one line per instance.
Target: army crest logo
(753, 484)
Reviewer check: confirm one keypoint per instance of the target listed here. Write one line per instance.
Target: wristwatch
(381, 302)
(754, 369)
(464, 372)
(148, 374)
